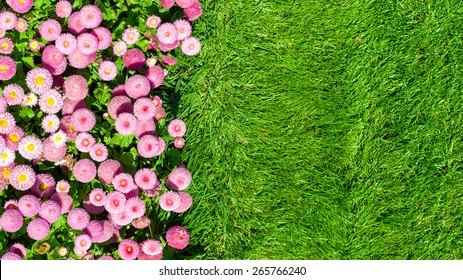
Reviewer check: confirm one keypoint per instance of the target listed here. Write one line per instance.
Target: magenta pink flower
(145, 127)
(119, 48)
(87, 43)
(91, 16)
(141, 223)
(183, 28)
(83, 242)
(168, 47)
(167, 4)
(63, 9)
(70, 106)
(78, 60)
(118, 105)
(115, 202)
(128, 249)
(167, 33)
(34, 45)
(179, 179)
(6, 46)
(97, 197)
(50, 29)
(44, 185)
(62, 186)
(22, 177)
(12, 220)
(155, 76)
(11, 204)
(92, 209)
(30, 147)
(20, 6)
(10, 256)
(50, 123)
(126, 124)
(179, 142)
(194, 11)
(99, 152)
(51, 102)
(78, 218)
(39, 80)
(121, 219)
(21, 25)
(75, 87)
(153, 21)
(53, 60)
(150, 146)
(177, 237)
(28, 205)
(108, 169)
(144, 109)
(84, 170)
(8, 20)
(66, 126)
(75, 23)
(50, 211)
(84, 141)
(64, 200)
(104, 37)
(151, 247)
(83, 120)
(13, 137)
(13, 94)
(7, 68)
(7, 123)
(145, 179)
(107, 70)
(123, 182)
(184, 3)
(137, 86)
(176, 128)
(169, 61)
(191, 46)
(38, 229)
(134, 59)
(130, 35)
(99, 231)
(185, 203)
(135, 207)
(51, 152)
(169, 201)
(66, 43)
(19, 249)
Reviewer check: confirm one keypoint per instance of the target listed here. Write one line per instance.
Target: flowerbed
(90, 164)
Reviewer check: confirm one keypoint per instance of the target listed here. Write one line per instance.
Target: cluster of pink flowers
(68, 122)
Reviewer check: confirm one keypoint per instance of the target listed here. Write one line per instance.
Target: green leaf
(26, 113)
(29, 62)
(121, 140)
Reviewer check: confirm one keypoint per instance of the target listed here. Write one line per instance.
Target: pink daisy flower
(78, 218)
(22, 177)
(29, 100)
(64, 201)
(75, 87)
(143, 256)
(185, 203)
(84, 141)
(87, 43)
(132, 193)
(119, 90)
(191, 46)
(21, 25)
(167, 33)
(176, 128)
(99, 152)
(194, 11)
(3, 104)
(83, 120)
(184, 3)
(78, 60)
(179, 142)
(50, 29)
(130, 35)
(157, 101)
(79, 252)
(8, 20)
(177, 237)
(62, 186)
(134, 59)
(144, 109)
(168, 47)
(19, 249)
(104, 37)
(10, 256)
(144, 128)
(97, 197)
(6, 46)
(44, 185)
(160, 114)
(128, 249)
(83, 242)
(84, 170)
(169, 201)
(153, 21)
(63, 9)
(119, 48)
(7, 123)
(145, 179)
(7, 157)
(167, 4)
(66, 126)
(115, 202)
(59, 138)
(141, 223)
(108, 169)
(151, 62)
(70, 106)
(28, 205)
(38, 229)
(150, 146)
(118, 105)
(107, 70)
(121, 219)
(169, 61)
(12, 220)
(92, 209)
(183, 28)
(91, 16)
(99, 231)
(20, 6)
(126, 124)
(137, 86)
(135, 207)
(75, 23)
(39, 80)
(30, 147)
(179, 179)
(51, 102)
(66, 43)
(13, 94)
(51, 152)
(7, 68)
(151, 247)
(34, 45)
(50, 211)
(62, 251)
(123, 182)
(155, 76)
(53, 60)
(50, 123)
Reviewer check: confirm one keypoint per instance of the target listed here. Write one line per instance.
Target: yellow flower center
(22, 1)
(29, 99)
(4, 46)
(167, 34)
(177, 128)
(129, 249)
(131, 36)
(119, 48)
(63, 9)
(4, 68)
(191, 46)
(181, 30)
(50, 101)
(6, 173)
(13, 137)
(13, 95)
(4, 123)
(21, 25)
(98, 197)
(83, 243)
(22, 178)
(58, 138)
(39, 80)
(66, 44)
(62, 187)
(123, 183)
(153, 21)
(98, 153)
(50, 123)
(155, 102)
(30, 147)
(107, 70)
(116, 203)
(85, 143)
(34, 45)
(87, 45)
(4, 156)
(43, 186)
(51, 30)
(71, 128)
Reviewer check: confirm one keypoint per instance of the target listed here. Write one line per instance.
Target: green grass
(325, 130)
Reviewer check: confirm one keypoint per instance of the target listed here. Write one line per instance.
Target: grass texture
(325, 130)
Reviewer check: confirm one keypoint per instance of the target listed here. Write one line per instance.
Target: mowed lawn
(325, 130)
